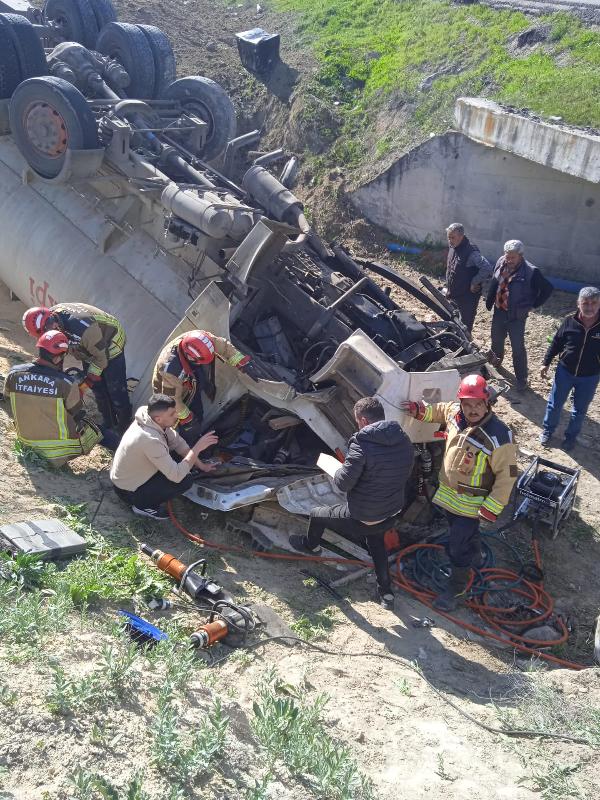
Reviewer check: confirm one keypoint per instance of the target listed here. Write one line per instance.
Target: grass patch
(291, 729)
(182, 756)
(553, 782)
(105, 572)
(112, 682)
(374, 51)
(314, 626)
(543, 708)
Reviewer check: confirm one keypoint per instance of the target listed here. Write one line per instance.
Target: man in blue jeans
(577, 343)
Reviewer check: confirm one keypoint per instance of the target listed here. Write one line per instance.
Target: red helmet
(198, 347)
(473, 387)
(35, 319)
(54, 342)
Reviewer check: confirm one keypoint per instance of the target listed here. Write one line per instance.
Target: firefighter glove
(487, 516)
(248, 367)
(416, 410)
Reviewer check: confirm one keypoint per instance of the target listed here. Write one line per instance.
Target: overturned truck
(117, 189)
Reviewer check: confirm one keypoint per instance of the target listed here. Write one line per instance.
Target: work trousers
(464, 541)
(111, 395)
(583, 388)
(156, 491)
(467, 305)
(338, 519)
(502, 327)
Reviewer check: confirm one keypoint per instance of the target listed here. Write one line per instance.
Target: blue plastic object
(140, 630)
(563, 285)
(404, 248)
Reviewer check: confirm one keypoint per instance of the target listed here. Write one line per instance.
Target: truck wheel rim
(46, 129)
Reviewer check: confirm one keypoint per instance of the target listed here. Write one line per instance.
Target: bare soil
(401, 734)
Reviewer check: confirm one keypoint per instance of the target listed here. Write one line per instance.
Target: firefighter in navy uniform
(97, 339)
(46, 404)
(185, 369)
(477, 475)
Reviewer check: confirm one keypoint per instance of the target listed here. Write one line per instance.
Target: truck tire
(211, 103)
(76, 18)
(47, 116)
(165, 69)
(128, 45)
(27, 45)
(10, 69)
(104, 11)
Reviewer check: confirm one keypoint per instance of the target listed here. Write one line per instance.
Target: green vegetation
(543, 708)
(291, 729)
(374, 55)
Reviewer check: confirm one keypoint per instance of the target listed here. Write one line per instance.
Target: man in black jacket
(466, 273)
(577, 343)
(516, 287)
(377, 466)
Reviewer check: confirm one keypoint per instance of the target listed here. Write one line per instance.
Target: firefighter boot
(453, 592)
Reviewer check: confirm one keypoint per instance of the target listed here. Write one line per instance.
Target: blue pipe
(573, 287)
(403, 248)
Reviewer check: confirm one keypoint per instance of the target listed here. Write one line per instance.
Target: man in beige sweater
(143, 472)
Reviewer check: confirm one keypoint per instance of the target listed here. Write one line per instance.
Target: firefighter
(46, 404)
(186, 368)
(477, 476)
(97, 339)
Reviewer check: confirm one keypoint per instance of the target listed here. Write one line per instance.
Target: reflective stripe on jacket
(171, 379)
(480, 462)
(96, 337)
(45, 403)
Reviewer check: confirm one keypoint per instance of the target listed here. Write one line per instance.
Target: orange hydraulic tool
(194, 584)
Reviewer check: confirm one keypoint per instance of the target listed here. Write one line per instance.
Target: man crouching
(378, 464)
(144, 473)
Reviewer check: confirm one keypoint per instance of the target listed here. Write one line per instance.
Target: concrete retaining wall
(497, 196)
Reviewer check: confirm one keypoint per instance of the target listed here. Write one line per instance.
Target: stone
(545, 633)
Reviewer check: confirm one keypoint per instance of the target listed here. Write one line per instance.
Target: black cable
(514, 732)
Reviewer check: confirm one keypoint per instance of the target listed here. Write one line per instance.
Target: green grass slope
(373, 53)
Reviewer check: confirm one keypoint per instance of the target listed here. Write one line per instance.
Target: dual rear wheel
(48, 115)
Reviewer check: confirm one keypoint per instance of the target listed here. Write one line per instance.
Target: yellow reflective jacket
(94, 335)
(47, 412)
(480, 462)
(170, 378)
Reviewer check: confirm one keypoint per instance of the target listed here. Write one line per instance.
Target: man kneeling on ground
(143, 472)
(378, 464)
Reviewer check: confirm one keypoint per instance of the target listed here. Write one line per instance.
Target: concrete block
(567, 149)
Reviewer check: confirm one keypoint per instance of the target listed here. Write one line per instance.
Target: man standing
(185, 369)
(516, 287)
(378, 464)
(466, 273)
(477, 476)
(577, 343)
(47, 410)
(97, 339)
(143, 472)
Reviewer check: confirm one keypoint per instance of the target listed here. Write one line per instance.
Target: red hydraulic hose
(538, 599)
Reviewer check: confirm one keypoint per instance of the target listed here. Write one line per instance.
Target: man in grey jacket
(373, 476)
(143, 472)
(466, 273)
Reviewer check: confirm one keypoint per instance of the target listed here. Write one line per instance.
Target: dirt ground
(400, 732)
(404, 737)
